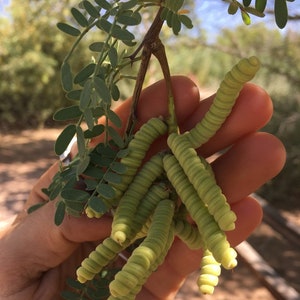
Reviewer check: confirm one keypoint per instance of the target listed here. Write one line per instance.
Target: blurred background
(32, 50)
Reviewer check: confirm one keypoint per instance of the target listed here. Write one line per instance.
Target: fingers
(249, 163)
(253, 109)
(53, 243)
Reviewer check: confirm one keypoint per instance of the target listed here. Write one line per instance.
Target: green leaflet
(59, 213)
(260, 5)
(68, 29)
(102, 89)
(104, 4)
(114, 118)
(281, 13)
(246, 2)
(233, 8)
(96, 204)
(106, 191)
(64, 139)
(130, 18)
(85, 95)
(91, 9)
(97, 130)
(79, 17)
(85, 73)
(67, 113)
(116, 137)
(66, 77)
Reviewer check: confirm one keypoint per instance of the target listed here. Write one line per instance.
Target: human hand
(36, 256)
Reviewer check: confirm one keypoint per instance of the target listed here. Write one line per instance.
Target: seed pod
(99, 258)
(188, 233)
(224, 101)
(209, 273)
(147, 253)
(124, 216)
(205, 185)
(155, 194)
(138, 148)
(212, 235)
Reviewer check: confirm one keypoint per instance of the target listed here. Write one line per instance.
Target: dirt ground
(25, 156)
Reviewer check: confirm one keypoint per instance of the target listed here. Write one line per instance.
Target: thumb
(37, 244)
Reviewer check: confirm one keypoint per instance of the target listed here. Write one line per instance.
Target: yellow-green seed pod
(92, 213)
(224, 100)
(189, 234)
(138, 148)
(100, 257)
(209, 273)
(124, 216)
(212, 235)
(146, 254)
(202, 180)
(147, 205)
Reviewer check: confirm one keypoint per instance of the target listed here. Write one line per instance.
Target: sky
(3, 3)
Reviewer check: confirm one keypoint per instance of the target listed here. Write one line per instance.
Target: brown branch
(147, 43)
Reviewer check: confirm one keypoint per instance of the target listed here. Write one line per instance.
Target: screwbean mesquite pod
(153, 194)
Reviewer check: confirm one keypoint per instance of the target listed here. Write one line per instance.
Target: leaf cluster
(94, 289)
(87, 182)
(280, 10)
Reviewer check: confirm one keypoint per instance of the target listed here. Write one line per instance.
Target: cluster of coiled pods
(148, 208)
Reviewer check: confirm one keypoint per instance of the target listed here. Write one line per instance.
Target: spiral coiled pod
(91, 213)
(134, 291)
(147, 253)
(224, 101)
(99, 258)
(204, 183)
(188, 233)
(141, 224)
(138, 147)
(109, 249)
(211, 233)
(124, 215)
(209, 273)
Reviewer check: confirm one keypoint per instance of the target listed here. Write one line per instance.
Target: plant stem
(160, 53)
(151, 44)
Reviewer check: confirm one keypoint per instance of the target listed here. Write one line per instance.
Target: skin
(36, 256)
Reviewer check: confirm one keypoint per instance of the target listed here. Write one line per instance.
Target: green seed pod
(200, 177)
(209, 274)
(146, 254)
(124, 216)
(100, 257)
(138, 147)
(156, 193)
(224, 100)
(92, 213)
(188, 233)
(212, 235)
